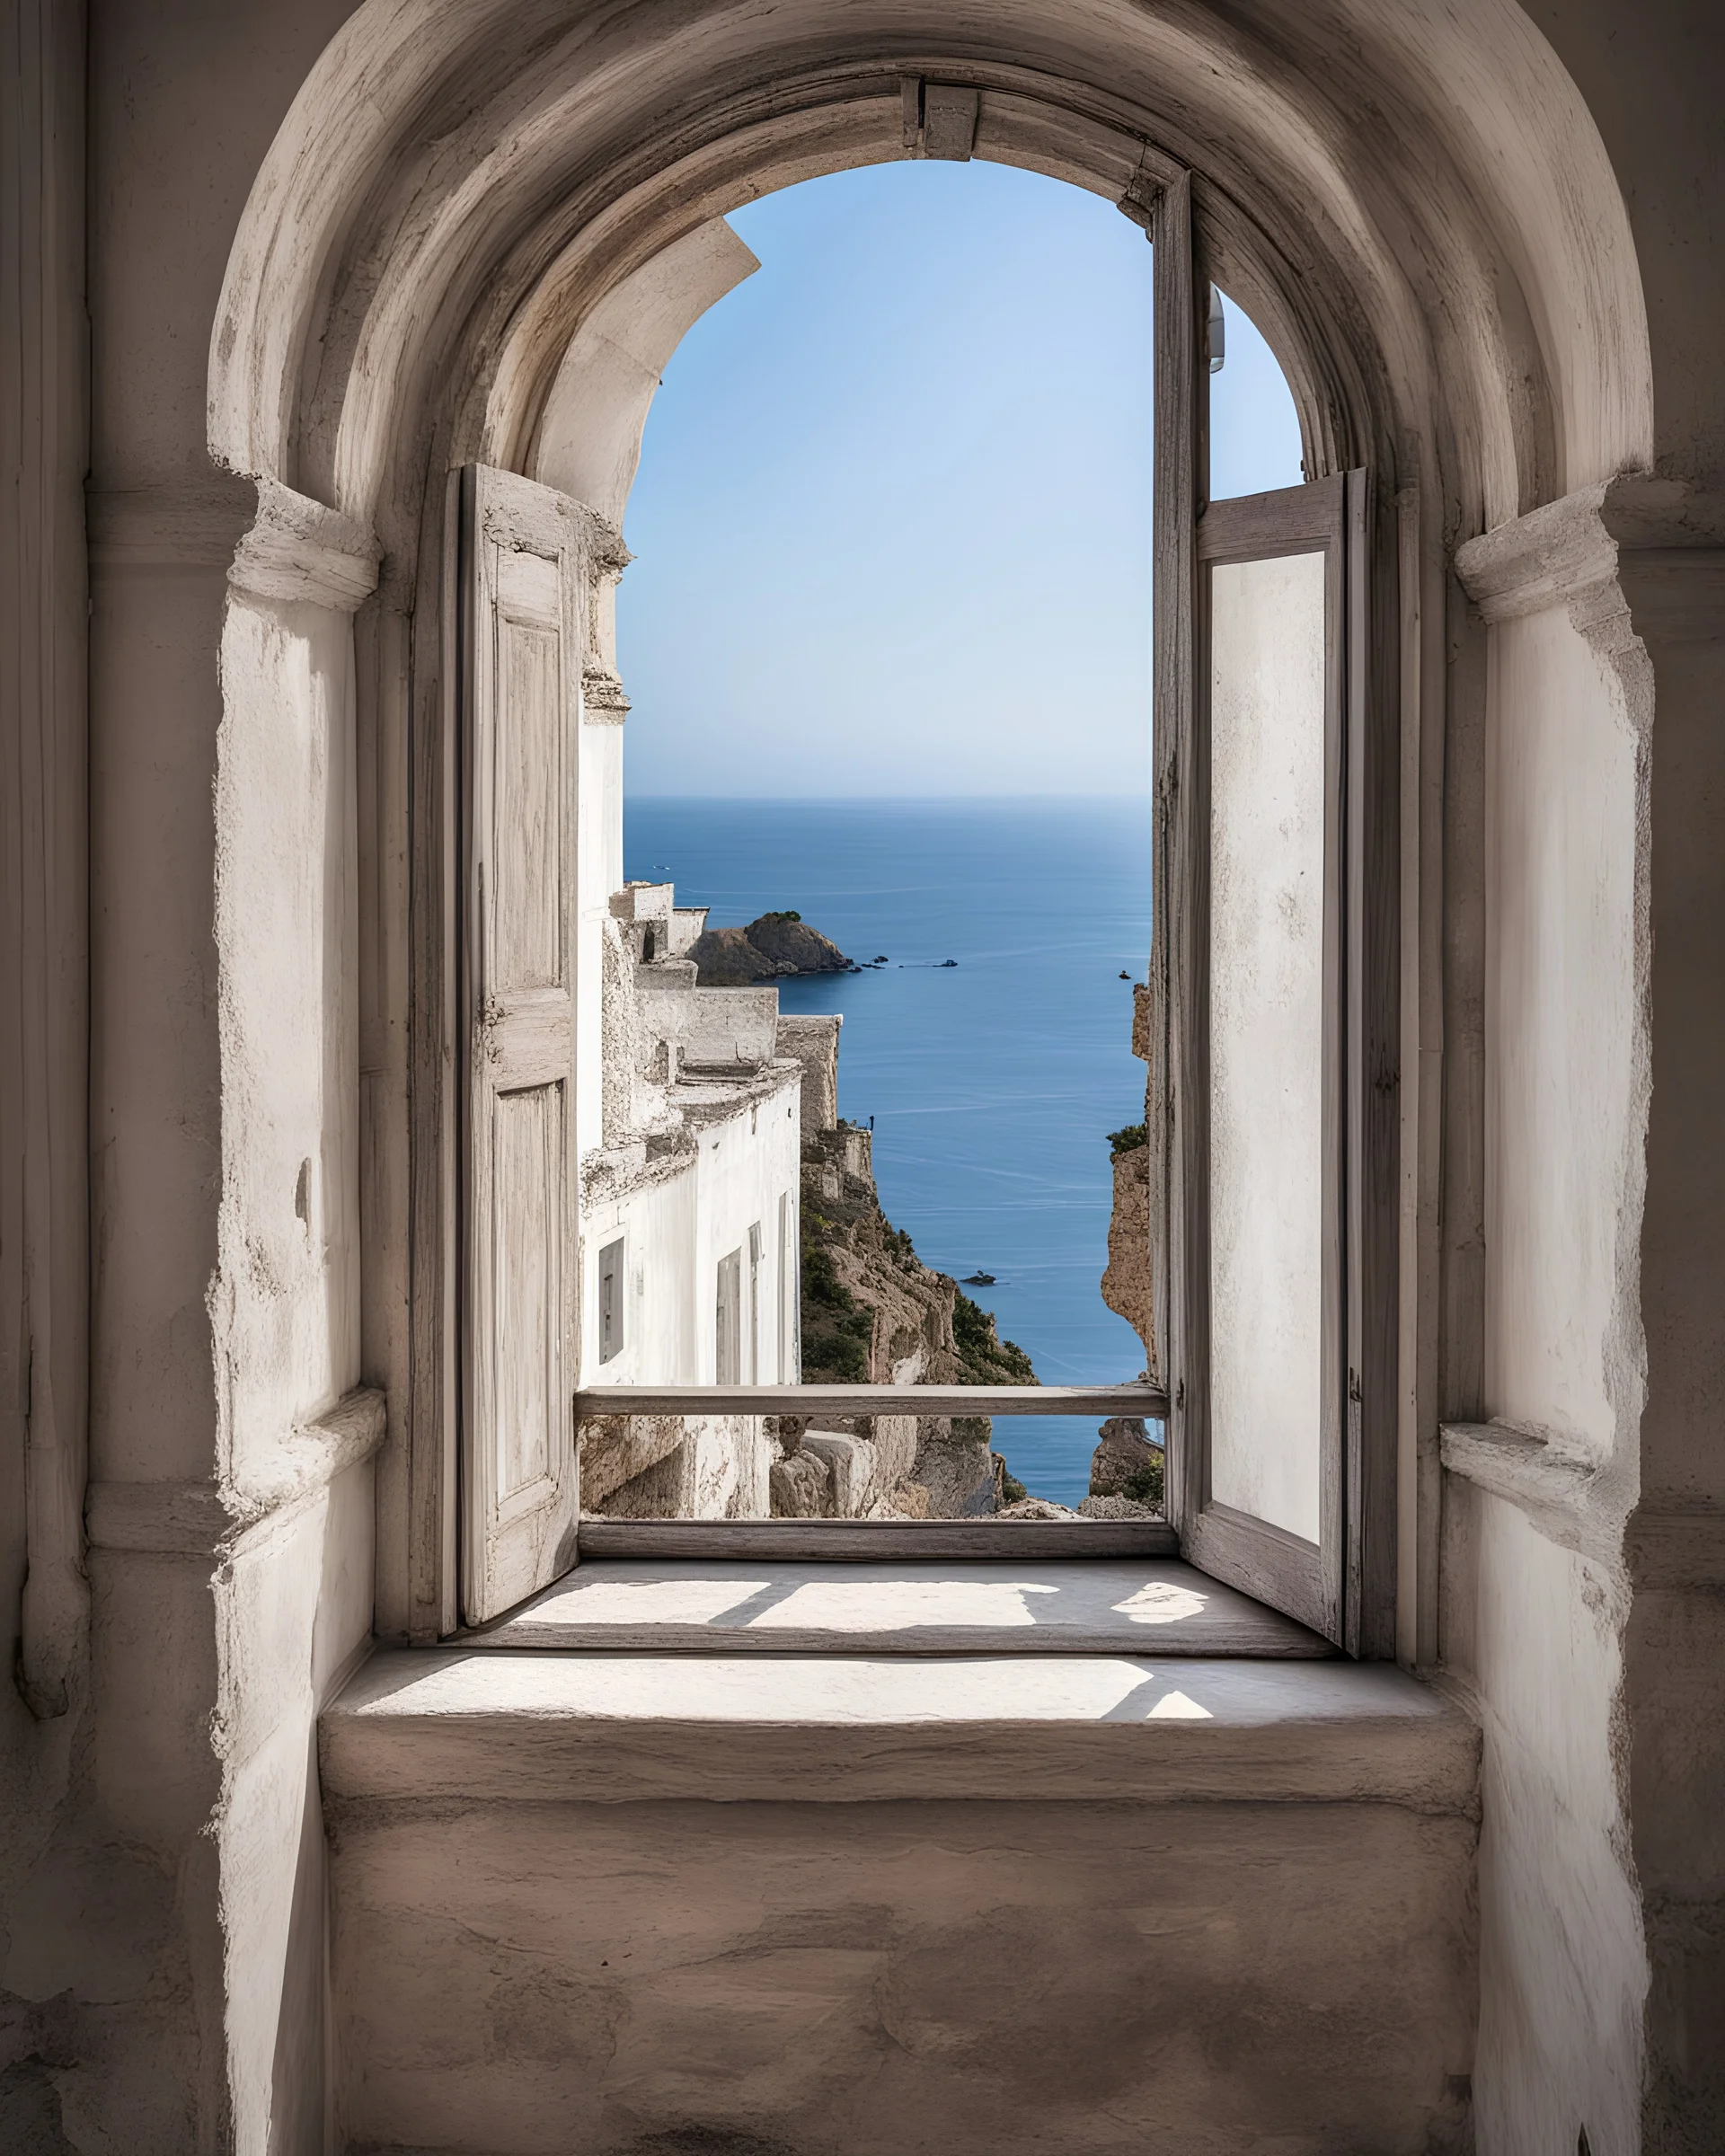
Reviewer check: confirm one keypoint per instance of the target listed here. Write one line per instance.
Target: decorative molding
(1558, 1493)
(273, 543)
(317, 1451)
(163, 1519)
(1547, 557)
(1679, 1548)
(211, 1521)
(1655, 546)
(300, 552)
(192, 526)
(1674, 1548)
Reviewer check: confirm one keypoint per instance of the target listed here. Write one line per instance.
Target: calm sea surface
(992, 1085)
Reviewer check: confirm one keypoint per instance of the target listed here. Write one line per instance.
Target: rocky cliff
(1129, 1286)
(872, 1313)
(767, 949)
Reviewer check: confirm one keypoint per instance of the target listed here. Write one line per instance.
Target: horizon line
(844, 798)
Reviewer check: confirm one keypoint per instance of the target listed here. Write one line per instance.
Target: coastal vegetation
(870, 1305)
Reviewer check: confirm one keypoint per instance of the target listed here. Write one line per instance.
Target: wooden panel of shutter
(524, 608)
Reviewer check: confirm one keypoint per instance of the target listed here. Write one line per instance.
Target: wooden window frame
(1350, 1595)
(1301, 1579)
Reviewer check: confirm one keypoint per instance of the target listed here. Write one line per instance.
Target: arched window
(1264, 1020)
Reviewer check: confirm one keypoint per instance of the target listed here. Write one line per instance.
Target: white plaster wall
(1563, 1968)
(1566, 1055)
(294, 1610)
(657, 1222)
(589, 433)
(745, 1163)
(285, 1305)
(1534, 1627)
(294, 1603)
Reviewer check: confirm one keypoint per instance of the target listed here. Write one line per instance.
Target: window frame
(1352, 1597)
(1364, 1621)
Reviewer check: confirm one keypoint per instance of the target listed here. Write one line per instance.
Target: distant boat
(946, 962)
(979, 1279)
(1126, 976)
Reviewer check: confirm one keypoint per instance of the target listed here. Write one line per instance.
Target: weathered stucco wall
(1570, 1541)
(287, 1310)
(1538, 1632)
(1566, 1039)
(873, 1979)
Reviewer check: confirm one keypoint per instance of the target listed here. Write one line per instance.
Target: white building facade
(689, 1209)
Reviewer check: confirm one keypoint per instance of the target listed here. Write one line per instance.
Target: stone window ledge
(455, 1723)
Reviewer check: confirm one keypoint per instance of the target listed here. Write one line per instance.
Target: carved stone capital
(1653, 546)
(272, 542)
(298, 549)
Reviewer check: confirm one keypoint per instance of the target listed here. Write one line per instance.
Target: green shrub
(987, 1359)
(1128, 1139)
(1143, 1485)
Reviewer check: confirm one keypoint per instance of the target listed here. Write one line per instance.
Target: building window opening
(611, 1301)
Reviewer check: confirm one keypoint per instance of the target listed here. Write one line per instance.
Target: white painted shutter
(523, 609)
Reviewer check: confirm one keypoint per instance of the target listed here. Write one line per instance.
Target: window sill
(1031, 1603)
(450, 1724)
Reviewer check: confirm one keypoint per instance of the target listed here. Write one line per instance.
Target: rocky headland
(770, 949)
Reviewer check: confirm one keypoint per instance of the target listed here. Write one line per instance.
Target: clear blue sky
(892, 520)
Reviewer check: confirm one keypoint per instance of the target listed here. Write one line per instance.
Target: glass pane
(1267, 706)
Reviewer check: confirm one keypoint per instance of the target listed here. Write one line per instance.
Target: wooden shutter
(523, 568)
(1258, 1003)
(728, 1320)
(1280, 1467)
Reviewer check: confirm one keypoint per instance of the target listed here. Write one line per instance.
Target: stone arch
(1418, 209)
(470, 210)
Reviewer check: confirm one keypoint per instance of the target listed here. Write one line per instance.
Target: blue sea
(992, 1086)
